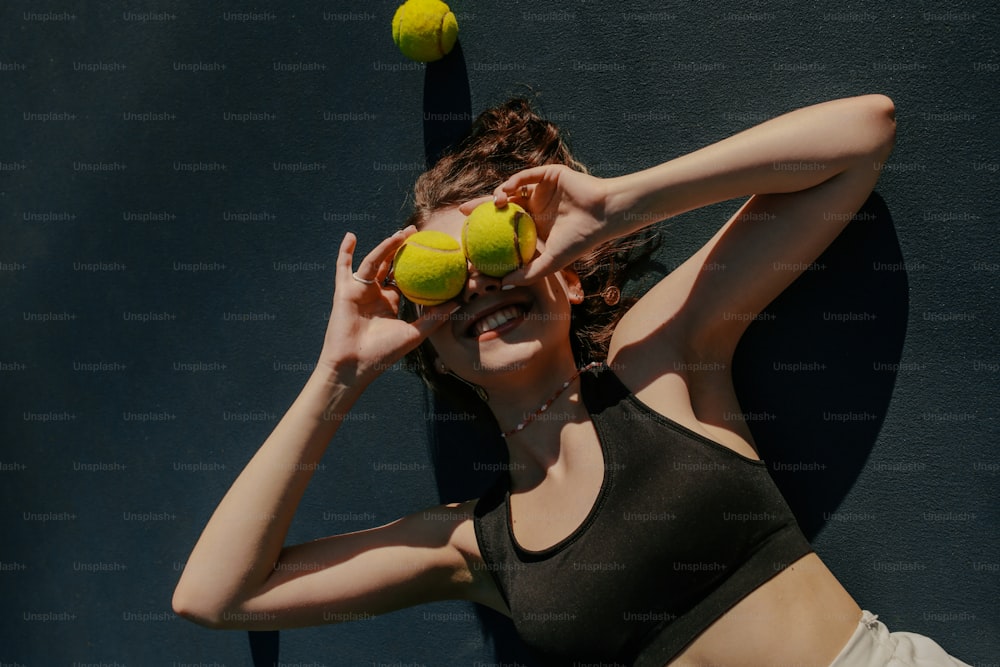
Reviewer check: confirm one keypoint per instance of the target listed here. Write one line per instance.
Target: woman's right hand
(364, 336)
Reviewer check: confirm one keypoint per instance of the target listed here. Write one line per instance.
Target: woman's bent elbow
(884, 120)
(872, 131)
(190, 608)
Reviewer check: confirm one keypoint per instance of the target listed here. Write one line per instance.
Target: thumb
(434, 317)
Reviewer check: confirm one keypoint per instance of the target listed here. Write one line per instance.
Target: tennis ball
(498, 240)
(424, 30)
(429, 268)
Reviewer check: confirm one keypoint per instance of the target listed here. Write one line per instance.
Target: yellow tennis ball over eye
(424, 30)
(429, 268)
(499, 240)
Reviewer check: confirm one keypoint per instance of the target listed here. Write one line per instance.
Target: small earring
(480, 392)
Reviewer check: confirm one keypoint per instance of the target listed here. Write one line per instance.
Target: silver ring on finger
(363, 281)
(524, 192)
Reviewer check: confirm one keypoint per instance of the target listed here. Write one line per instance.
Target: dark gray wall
(157, 320)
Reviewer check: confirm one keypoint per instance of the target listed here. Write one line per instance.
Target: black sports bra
(682, 529)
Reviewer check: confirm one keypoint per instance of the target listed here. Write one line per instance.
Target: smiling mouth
(499, 320)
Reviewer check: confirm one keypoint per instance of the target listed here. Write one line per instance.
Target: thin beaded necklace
(547, 404)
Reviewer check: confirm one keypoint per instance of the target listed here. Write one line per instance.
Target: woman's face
(502, 331)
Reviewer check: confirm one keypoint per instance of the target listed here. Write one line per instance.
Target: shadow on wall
(815, 372)
(447, 104)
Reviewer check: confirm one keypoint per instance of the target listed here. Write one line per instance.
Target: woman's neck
(538, 444)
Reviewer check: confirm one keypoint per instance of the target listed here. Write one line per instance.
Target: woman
(716, 572)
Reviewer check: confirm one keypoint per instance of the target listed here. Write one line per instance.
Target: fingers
(499, 199)
(376, 263)
(519, 186)
(522, 194)
(432, 317)
(345, 256)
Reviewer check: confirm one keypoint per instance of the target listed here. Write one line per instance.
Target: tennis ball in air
(429, 268)
(498, 240)
(424, 30)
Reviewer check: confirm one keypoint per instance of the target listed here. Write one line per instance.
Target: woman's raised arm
(240, 558)
(808, 172)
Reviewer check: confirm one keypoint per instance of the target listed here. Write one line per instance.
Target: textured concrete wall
(173, 187)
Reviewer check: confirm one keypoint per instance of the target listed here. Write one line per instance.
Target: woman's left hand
(568, 208)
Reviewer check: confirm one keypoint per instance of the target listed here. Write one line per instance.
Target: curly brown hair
(502, 141)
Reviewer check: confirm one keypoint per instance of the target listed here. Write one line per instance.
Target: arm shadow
(815, 371)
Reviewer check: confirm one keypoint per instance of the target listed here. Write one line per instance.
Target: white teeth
(494, 320)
